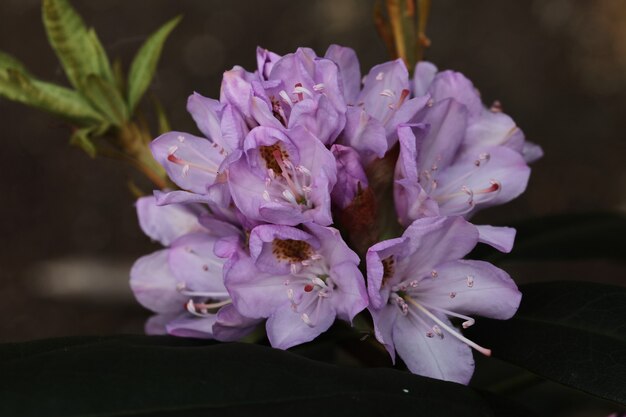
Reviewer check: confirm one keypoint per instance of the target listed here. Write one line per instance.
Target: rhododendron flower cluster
(277, 215)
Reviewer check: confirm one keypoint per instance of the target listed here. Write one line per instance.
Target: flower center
(406, 296)
(458, 196)
(285, 182)
(212, 300)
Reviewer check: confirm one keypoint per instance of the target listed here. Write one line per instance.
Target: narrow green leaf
(81, 139)
(164, 124)
(7, 61)
(78, 48)
(145, 62)
(158, 376)
(106, 98)
(118, 76)
(16, 86)
(570, 332)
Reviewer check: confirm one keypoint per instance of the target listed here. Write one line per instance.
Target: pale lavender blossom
(436, 174)
(183, 283)
(283, 177)
(485, 126)
(298, 89)
(197, 164)
(376, 109)
(417, 282)
(351, 178)
(301, 280)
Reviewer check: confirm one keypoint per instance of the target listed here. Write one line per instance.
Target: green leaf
(570, 332)
(145, 62)
(105, 97)
(7, 61)
(565, 236)
(78, 48)
(17, 86)
(81, 139)
(163, 122)
(158, 376)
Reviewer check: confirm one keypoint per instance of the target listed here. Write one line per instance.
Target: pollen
(389, 266)
(268, 153)
(291, 250)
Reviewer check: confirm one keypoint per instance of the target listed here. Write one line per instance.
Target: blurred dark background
(69, 232)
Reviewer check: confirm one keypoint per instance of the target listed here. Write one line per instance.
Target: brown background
(68, 231)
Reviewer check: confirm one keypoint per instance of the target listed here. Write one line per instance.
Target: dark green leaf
(106, 98)
(565, 236)
(62, 101)
(571, 332)
(158, 376)
(145, 63)
(78, 48)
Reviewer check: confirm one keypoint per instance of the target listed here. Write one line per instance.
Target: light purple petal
(444, 358)
(365, 134)
(494, 176)
(349, 70)
(433, 240)
(378, 285)
(423, 77)
(285, 328)
(350, 296)
(451, 84)
(191, 162)
(265, 61)
(351, 177)
(231, 325)
(207, 113)
(531, 152)
(154, 285)
(472, 288)
(155, 325)
(255, 294)
(196, 327)
(195, 265)
(501, 238)
(384, 322)
(493, 129)
(167, 223)
(383, 87)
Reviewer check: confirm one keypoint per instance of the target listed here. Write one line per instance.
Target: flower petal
(231, 325)
(154, 285)
(445, 358)
(285, 328)
(423, 77)
(349, 70)
(166, 223)
(190, 161)
(350, 296)
(472, 288)
(501, 238)
(194, 264)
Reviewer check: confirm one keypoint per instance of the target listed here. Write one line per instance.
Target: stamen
(484, 351)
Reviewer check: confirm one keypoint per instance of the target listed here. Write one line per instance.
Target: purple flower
(375, 111)
(300, 279)
(436, 174)
(418, 281)
(196, 164)
(298, 89)
(485, 126)
(183, 284)
(283, 177)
